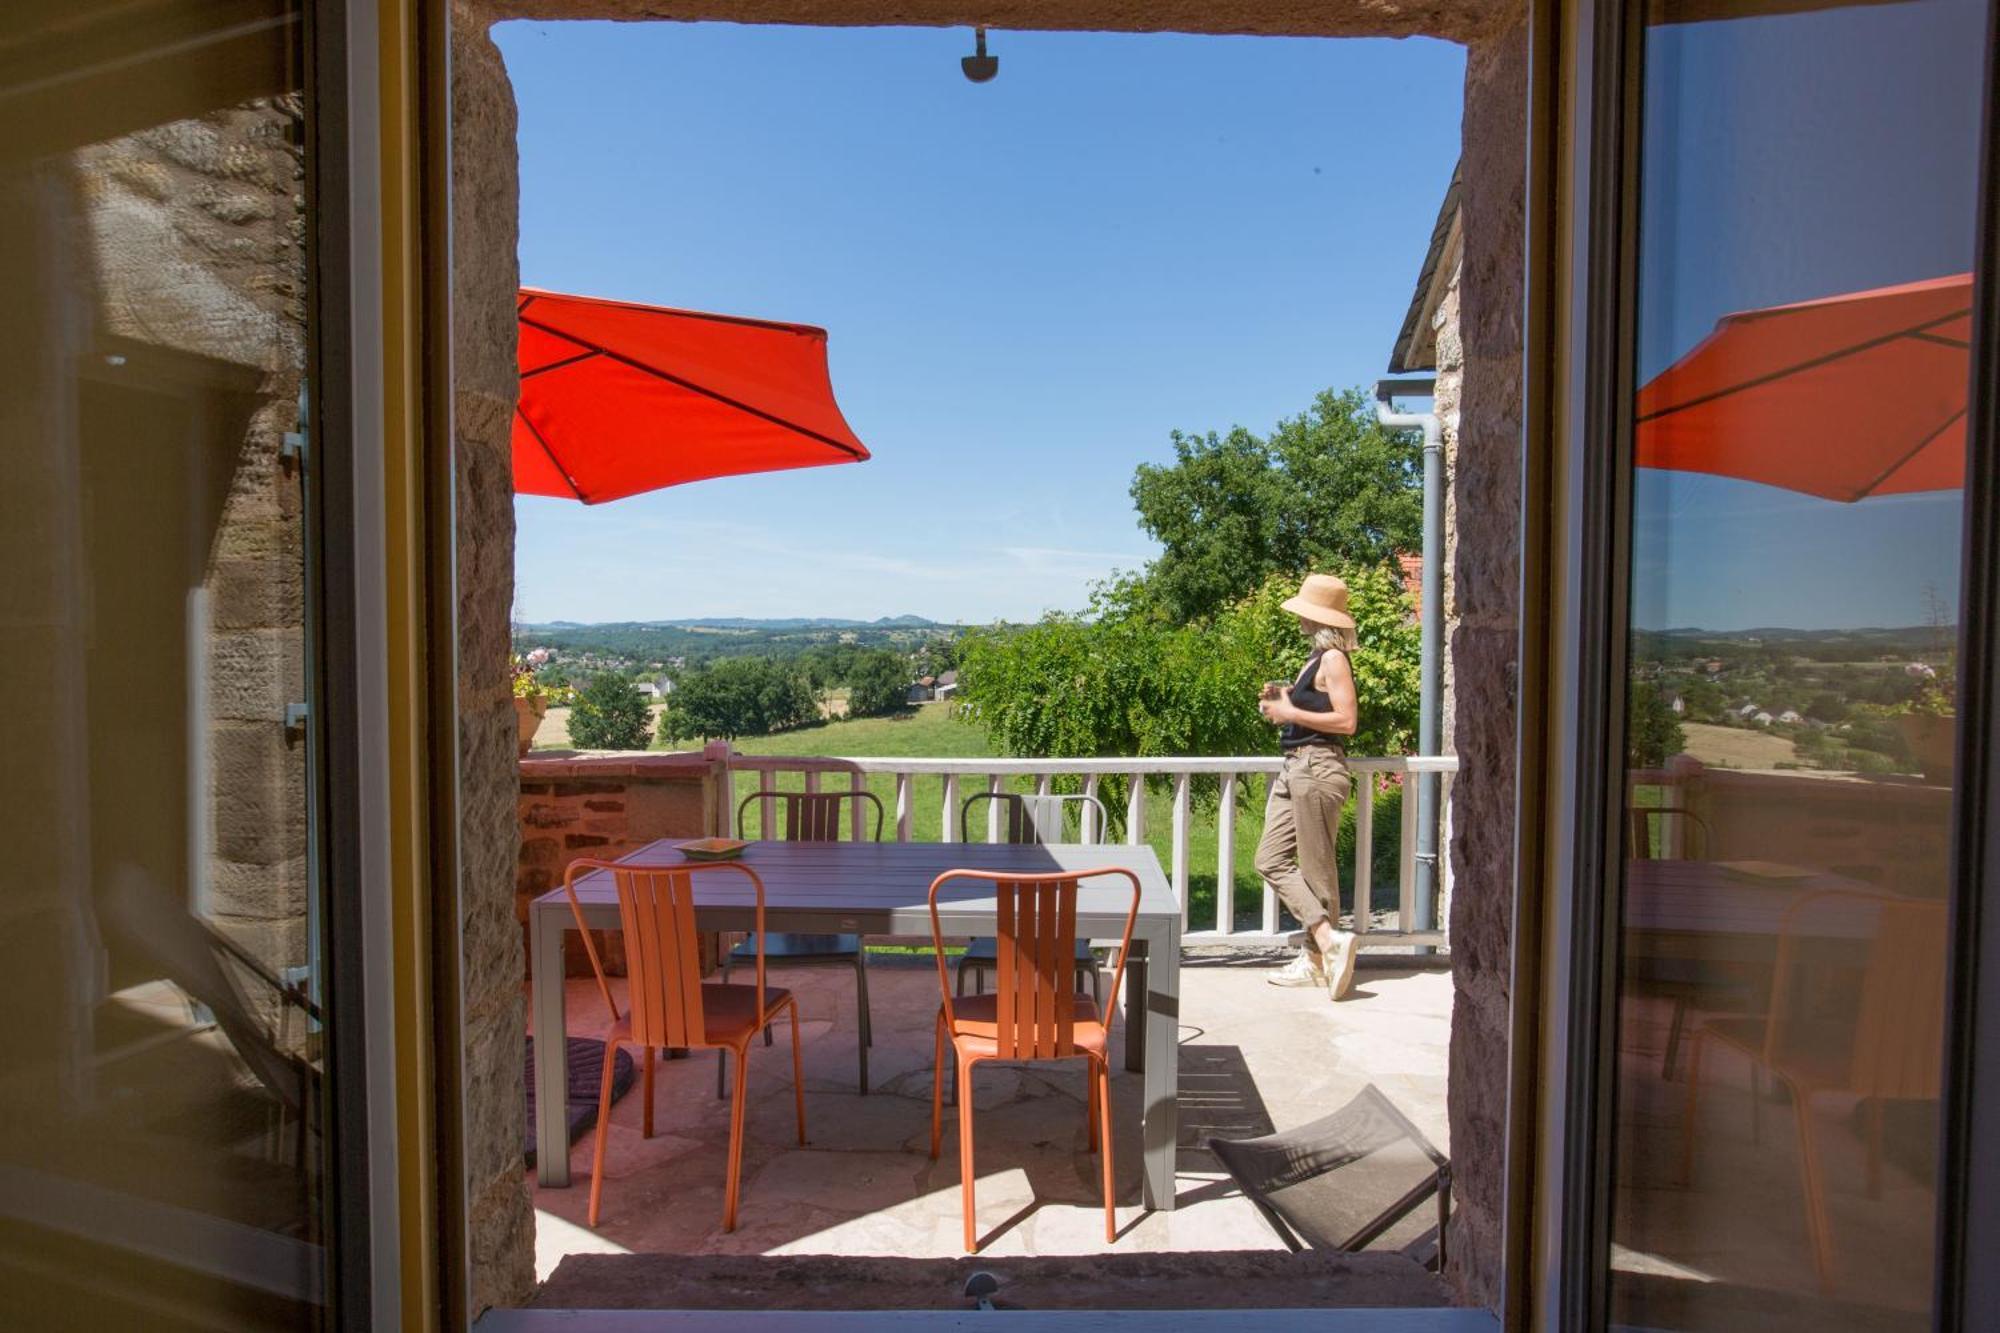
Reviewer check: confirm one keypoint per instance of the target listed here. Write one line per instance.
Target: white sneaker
(1340, 965)
(1305, 970)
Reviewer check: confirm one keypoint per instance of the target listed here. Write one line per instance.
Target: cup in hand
(1273, 689)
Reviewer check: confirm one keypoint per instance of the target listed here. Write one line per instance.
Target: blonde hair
(1329, 637)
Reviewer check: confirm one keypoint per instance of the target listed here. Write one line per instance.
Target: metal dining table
(1705, 910)
(870, 888)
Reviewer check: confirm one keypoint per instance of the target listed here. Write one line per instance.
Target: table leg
(1135, 1009)
(551, 1051)
(1161, 1130)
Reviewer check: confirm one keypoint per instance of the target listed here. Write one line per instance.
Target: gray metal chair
(1031, 819)
(809, 817)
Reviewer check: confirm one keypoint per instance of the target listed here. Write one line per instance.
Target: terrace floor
(1253, 1058)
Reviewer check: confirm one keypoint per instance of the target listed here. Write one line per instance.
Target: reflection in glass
(1807, 215)
(160, 1123)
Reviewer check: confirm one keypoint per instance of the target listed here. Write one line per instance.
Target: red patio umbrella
(1844, 397)
(618, 398)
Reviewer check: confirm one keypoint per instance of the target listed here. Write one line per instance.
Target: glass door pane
(1808, 205)
(159, 969)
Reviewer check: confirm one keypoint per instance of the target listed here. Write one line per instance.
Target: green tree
(1329, 489)
(738, 696)
(879, 683)
(1120, 682)
(609, 714)
(1653, 732)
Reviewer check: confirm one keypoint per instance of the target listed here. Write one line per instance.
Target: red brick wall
(583, 805)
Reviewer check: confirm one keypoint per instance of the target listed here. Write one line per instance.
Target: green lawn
(932, 731)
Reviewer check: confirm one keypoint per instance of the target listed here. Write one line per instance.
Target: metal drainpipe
(1430, 703)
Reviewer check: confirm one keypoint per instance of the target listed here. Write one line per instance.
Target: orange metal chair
(1033, 1015)
(1889, 1048)
(668, 1003)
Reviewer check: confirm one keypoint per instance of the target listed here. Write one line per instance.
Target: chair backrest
(1639, 843)
(811, 816)
(662, 945)
(1896, 1045)
(1035, 963)
(1041, 818)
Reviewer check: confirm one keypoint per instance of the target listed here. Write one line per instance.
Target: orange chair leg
(646, 1054)
(1103, 1104)
(735, 1186)
(1693, 1103)
(965, 1150)
(798, 1075)
(1819, 1227)
(937, 1091)
(1875, 1147)
(603, 1130)
(1090, 1100)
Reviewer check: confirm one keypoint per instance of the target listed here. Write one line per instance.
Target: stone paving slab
(1254, 1058)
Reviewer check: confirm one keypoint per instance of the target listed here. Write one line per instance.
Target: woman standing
(1302, 818)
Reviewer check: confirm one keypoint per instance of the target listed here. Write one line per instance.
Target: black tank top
(1307, 694)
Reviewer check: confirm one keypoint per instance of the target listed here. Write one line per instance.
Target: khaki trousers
(1301, 826)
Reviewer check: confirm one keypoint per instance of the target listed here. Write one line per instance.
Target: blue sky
(1027, 284)
(1788, 158)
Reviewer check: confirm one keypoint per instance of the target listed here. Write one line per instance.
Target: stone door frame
(1484, 493)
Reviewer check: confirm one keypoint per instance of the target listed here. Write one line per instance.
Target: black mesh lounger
(1345, 1180)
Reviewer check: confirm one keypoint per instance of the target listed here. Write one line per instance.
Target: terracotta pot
(528, 718)
(1931, 739)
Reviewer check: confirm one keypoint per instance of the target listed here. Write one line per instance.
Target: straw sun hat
(1322, 599)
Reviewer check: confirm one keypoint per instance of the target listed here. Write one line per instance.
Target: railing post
(1042, 783)
(1270, 894)
(950, 833)
(1364, 851)
(1135, 810)
(1089, 831)
(1406, 886)
(993, 785)
(1182, 782)
(903, 807)
(767, 781)
(1225, 857)
(856, 782)
(812, 778)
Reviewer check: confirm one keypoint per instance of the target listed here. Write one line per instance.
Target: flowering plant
(523, 669)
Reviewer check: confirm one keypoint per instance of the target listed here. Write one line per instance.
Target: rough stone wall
(1460, 20)
(1448, 393)
(1483, 620)
(485, 221)
(196, 229)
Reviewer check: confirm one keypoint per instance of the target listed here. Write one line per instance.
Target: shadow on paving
(1213, 1280)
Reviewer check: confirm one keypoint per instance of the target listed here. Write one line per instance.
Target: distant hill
(657, 646)
(1821, 645)
(740, 623)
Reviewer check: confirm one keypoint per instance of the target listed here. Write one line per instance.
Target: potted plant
(531, 701)
(1929, 724)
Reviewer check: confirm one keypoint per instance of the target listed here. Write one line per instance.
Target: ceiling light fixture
(980, 67)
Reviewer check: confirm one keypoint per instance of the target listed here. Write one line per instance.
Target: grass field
(932, 731)
(1737, 747)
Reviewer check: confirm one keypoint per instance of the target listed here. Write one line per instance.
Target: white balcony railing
(962, 777)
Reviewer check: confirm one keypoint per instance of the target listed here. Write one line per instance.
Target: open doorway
(1247, 1058)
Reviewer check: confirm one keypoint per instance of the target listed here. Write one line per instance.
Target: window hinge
(295, 717)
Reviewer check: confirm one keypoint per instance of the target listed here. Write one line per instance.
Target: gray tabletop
(883, 888)
(1703, 909)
